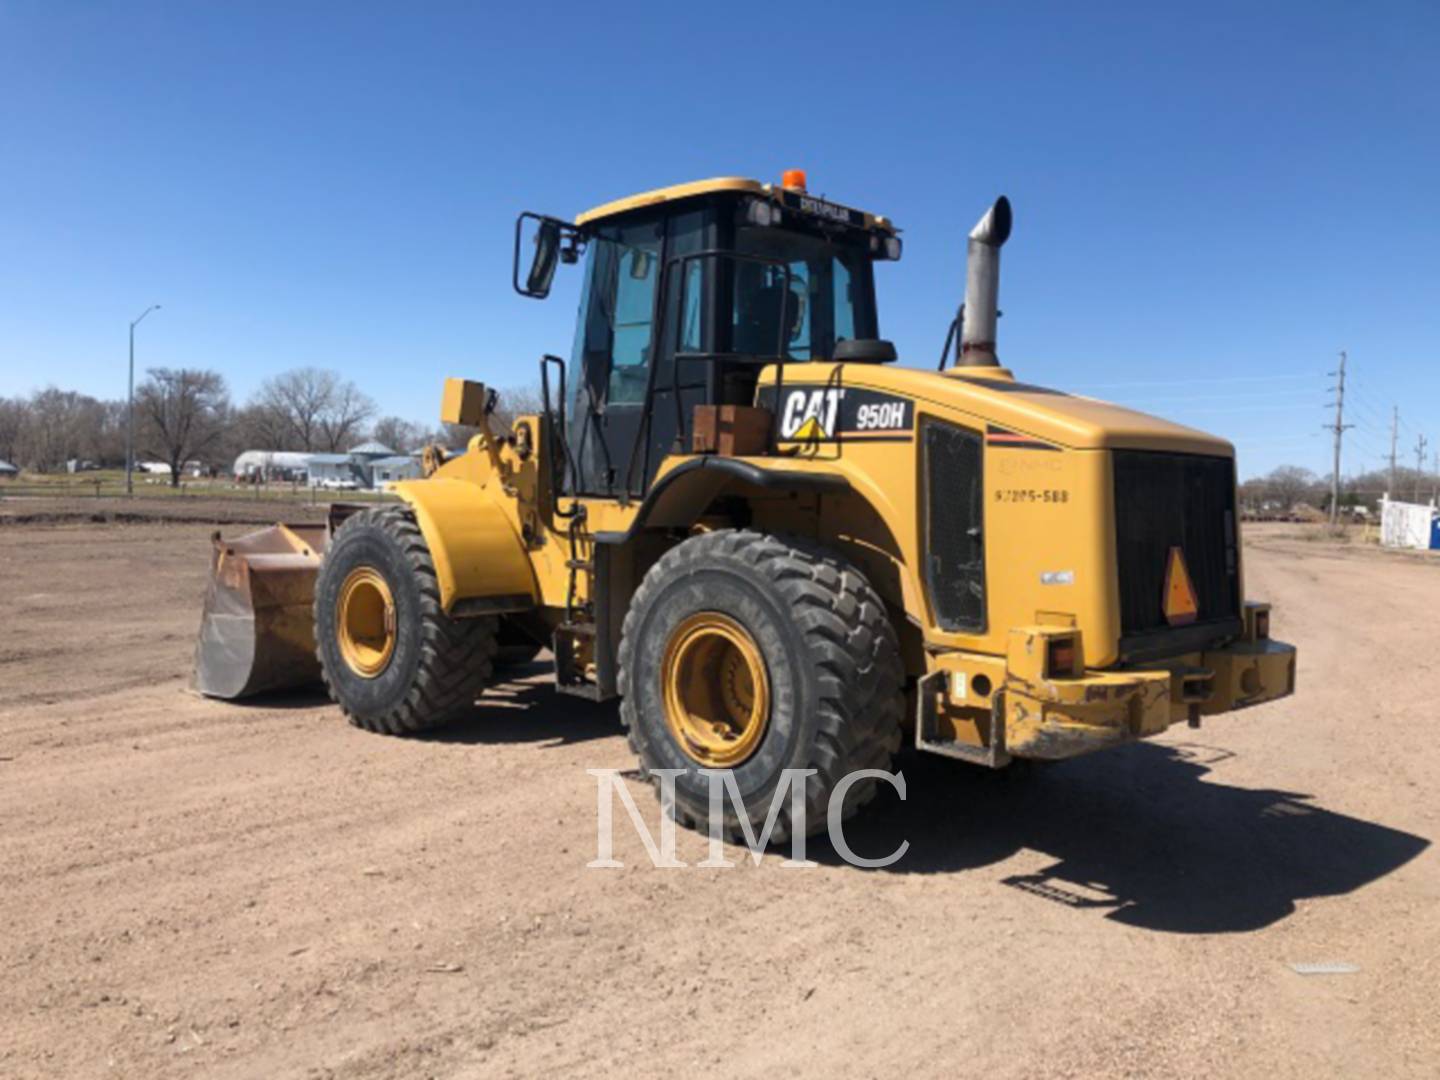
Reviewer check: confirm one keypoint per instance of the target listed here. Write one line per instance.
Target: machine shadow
(520, 709)
(1135, 833)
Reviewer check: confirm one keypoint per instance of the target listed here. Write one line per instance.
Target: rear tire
(413, 669)
(828, 668)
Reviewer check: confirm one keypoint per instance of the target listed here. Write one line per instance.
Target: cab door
(614, 354)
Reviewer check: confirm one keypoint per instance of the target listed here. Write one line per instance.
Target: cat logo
(810, 414)
(815, 414)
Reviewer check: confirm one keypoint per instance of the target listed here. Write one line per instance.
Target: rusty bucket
(257, 632)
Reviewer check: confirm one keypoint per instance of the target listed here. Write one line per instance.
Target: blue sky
(1211, 201)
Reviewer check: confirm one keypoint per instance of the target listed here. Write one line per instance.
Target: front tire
(754, 653)
(391, 658)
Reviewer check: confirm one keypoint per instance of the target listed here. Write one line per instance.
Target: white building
(271, 465)
(1409, 525)
(370, 465)
(371, 450)
(387, 470)
(336, 470)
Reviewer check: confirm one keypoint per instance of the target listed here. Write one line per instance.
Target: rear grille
(1164, 501)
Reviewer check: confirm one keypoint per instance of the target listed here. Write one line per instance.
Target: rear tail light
(1060, 657)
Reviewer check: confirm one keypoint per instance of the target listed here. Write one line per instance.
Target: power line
(1216, 379)
(1254, 408)
(1420, 444)
(1394, 439)
(1365, 414)
(1338, 428)
(1288, 395)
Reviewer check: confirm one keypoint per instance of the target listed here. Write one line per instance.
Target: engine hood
(995, 397)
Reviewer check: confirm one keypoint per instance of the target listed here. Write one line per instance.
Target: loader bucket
(257, 632)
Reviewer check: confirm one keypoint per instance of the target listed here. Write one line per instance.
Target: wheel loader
(777, 548)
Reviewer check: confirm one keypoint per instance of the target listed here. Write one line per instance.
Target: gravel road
(189, 887)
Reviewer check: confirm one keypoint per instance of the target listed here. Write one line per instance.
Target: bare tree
(1290, 484)
(342, 421)
(107, 444)
(309, 409)
(14, 414)
(183, 415)
(294, 401)
(398, 434)
(56, 429)
(261, 427)
(514, 402)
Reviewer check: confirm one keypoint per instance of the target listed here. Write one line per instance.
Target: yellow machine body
(1050, 571)
(1047, 671)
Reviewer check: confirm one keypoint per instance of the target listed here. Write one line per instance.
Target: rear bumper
(1066, 718)
(1047, 718)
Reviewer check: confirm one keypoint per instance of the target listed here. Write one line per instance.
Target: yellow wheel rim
(717, 691)
(365, 625)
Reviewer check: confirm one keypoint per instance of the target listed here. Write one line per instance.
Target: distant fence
(74, 488)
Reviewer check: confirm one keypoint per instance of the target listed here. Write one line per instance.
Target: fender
(681, 493)
(480, 560)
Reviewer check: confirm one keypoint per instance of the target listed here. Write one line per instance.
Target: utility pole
(1394, 440)
(1338, 429)
(1420, 444)
(130, 418)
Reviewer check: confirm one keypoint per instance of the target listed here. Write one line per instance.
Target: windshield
(832, 293)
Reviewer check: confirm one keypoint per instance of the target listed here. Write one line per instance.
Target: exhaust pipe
(982, 287)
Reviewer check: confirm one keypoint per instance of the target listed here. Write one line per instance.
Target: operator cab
(689, 292)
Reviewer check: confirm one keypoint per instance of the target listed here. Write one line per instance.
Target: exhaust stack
(982, 287)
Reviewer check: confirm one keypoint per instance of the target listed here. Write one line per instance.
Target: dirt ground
(189, 887)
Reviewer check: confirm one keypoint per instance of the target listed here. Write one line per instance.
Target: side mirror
(546, 238)
(542, 265)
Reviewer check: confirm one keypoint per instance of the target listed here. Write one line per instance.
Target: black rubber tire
(439, 665)
(832, 657)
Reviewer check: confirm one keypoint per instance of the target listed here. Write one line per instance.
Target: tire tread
(848, 636)
(456, 655)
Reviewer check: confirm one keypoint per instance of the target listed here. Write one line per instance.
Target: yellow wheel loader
(779, 550)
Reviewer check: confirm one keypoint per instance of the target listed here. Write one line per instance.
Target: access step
(575, 668)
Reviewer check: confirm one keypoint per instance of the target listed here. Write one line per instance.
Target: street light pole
(130, 419)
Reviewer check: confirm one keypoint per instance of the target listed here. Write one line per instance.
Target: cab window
(614, 336)
(830, 296)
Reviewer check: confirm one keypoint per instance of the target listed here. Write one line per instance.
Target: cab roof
(714, 185)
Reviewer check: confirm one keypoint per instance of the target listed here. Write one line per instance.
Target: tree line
(1288, 487)
(186, 415)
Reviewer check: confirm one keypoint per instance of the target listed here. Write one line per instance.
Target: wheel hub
(716, 690)
(365, 625)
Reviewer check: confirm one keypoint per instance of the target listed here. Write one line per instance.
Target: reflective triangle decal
(809, 430)
(1180, 605)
